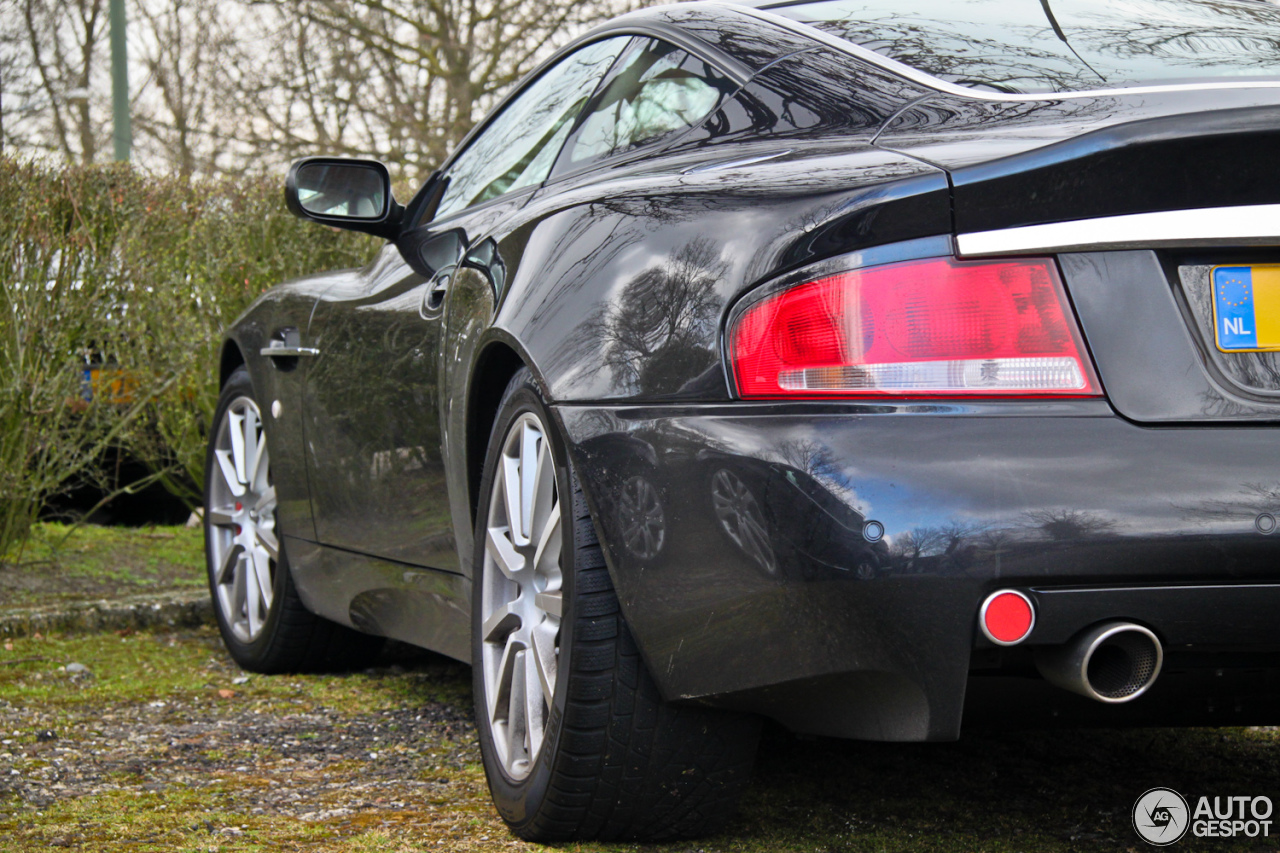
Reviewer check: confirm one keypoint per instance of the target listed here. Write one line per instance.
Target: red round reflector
(1007, 617)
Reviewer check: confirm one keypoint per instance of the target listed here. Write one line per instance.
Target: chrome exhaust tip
(1112, 662)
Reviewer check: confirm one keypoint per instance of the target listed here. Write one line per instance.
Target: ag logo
(1161, 816)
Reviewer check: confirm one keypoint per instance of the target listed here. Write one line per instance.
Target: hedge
(116, 287)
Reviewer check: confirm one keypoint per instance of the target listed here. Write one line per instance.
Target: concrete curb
(182, 609)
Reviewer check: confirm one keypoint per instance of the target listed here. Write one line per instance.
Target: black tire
(291, 638)
(616, 762)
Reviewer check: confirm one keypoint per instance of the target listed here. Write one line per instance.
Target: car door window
(656, 91)
(518, 148)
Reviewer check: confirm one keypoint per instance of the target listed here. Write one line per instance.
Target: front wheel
(263, 622)
(576, 741)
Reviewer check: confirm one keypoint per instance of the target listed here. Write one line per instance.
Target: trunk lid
(1142, 198)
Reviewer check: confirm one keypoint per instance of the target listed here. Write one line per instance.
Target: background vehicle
(732, 368)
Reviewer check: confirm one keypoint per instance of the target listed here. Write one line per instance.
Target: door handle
(433, 301)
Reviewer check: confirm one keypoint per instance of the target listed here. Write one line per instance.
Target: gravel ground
(161, 743)
(294, 765)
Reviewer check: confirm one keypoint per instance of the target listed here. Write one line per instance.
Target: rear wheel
(576, 741)
(264, 624)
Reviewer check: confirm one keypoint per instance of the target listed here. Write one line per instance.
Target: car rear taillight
(936, 327)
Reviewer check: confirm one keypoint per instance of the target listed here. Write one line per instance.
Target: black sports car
(860, 367)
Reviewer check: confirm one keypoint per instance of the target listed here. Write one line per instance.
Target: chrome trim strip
(924, 79)
(736, 163)
(1248, 225)
(287, 352)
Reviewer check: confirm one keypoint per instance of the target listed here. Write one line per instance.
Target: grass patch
(61, 563)
(194, 667)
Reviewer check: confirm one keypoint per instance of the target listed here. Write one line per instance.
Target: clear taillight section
(936, 327)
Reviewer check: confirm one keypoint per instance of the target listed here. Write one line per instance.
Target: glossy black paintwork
(281, 314)
(969, 498)
(1022, 163)
(652, 332)
(614, 286)
(1237, 614)
(1155, 363)
(373, 448)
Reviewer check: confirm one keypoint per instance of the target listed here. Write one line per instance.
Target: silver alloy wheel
(521, 602)
(243, 548)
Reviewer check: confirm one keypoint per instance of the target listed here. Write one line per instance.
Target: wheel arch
(497, 362)
(230, 358)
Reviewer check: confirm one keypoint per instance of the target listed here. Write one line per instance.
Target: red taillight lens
(937, 327)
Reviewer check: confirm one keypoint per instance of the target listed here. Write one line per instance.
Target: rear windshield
(1040, 46)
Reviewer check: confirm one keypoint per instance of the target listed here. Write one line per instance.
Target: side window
(655, 91)
(518, 148)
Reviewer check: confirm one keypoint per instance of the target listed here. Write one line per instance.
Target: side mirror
(343, 193)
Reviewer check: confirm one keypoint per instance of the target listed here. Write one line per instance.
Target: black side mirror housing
(344, 193)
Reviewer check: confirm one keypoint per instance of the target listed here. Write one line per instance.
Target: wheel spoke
(238, 588)
(511, 496)
(542, 639)
(534, 690)
(250, 439)
(266, 501)
(226, 571)
(267, 540)
(252, 595)
(517, 711)
(259, 481)
(504, 554)
(228, 469)
(549, 542)
(503, 621)
(530, 457)
(500, 688)
(221, 516)
(544, 491)
(551, 603)
(262, 573)
(237, 445)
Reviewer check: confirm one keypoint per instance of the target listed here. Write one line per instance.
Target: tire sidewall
(255, 653)
(519, 801)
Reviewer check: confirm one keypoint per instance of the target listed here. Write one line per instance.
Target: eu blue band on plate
(1246, 307)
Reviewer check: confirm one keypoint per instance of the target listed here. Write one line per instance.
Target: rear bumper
(806, 615)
